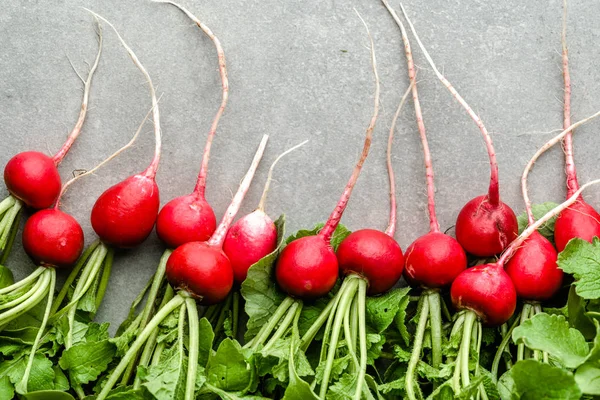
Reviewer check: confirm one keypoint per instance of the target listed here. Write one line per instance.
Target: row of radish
(318, 306)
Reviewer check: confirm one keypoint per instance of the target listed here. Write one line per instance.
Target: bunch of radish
(433, 260)
(32, 178)
(200, 272)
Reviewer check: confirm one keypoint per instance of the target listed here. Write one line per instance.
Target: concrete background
(298, 70)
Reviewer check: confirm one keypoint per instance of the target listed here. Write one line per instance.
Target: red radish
(307, 268)
(485, 225)
(253, 236)
(54, 240)
(190, 217)
(199, 271)
(433, 260)
(580, 220)
(32, 178)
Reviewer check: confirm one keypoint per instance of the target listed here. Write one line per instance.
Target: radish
(54, 240)
(308, 268)
(433, 260)
(485, 225)
(190, 217)
(198, 271)
(580, 220)
(254, 235)
(32, 178)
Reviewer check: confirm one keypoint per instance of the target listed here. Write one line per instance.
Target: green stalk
(106, 270)
(72, 275)
(470, 320)
(8, 222)
(330, 318)
(23, 296)
(193, 348)
(22, 385)
(349, 336)
(150, 345)
(524, 316)
(15, 312)
(354, 322)
(266, 330)
(23, 282)
(153, 324)
(352, 286)
(11, 239)
(501, 348)
(362, 333)
(225, 307)
(415, 356)
(285, 324)
(435, 323)
(316, 326)
(7, 203)
(236, 313)
(211, 311)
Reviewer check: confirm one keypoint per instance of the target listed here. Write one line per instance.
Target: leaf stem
(193, 348)
(324, 316)
(435, 323)
(362, 333)
(153, 324)
(283, 327)
(266, 330)
(415, 356)
(236, 313)
(501, 349)
(470, 321)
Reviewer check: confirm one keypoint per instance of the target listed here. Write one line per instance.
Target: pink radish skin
(434, 260)
(53, 238)
(307, 268)
(184, 219)
(202, 270)
(486, 290)
(486, 225)
(32, 177)
(533, 269)
(373, 255)
(251, 238)
(191, 218)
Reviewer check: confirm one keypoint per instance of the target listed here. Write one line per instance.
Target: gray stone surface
(298, 70)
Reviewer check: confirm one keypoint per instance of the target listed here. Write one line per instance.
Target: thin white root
(151, 170)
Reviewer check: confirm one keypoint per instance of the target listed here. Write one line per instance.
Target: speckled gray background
(298, 70)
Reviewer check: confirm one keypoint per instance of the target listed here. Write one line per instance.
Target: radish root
(152, 168)
(60, 155)
(336, 215)
(391, 228)
(493, 191)
(201, 182)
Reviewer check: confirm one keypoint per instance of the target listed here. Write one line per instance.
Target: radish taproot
(54, 240)
(249, 239)
(122, 217)
(580, 220)
(485, 225)
(433, 260)
(32, 177)
(199, 272)
(190, 217)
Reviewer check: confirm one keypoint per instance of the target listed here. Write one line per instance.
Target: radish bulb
(485, 225)
(433, 260)
(32, 178)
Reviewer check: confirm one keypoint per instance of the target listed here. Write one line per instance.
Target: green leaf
(533, 380)
(227, 369)
(260, 290)
(400, 319)
(6, 277)
(7, 389)
(539, 210)
(340, 233)
(85, 361)
(582, 260)
(552, 334)
(166, 380)
(41, 376)
(47, 395)
(381, 310)
(577, 314)
(297, 389)
(206, 334)
(587, 377)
